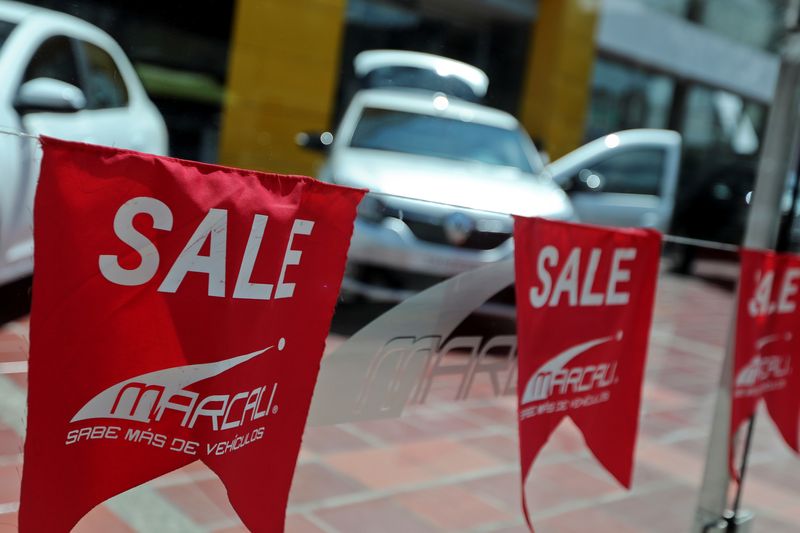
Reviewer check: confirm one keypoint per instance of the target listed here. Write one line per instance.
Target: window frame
(79, 82)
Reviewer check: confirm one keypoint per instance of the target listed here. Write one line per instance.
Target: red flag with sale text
(767, 348)
(180, 311)
(584, 308)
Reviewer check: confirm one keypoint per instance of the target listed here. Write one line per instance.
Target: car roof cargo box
(417, 70)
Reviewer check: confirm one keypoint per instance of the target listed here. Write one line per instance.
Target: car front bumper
(390, 247)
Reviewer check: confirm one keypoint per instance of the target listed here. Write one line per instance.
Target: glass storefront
(625, 97)
(757, 23)
(247, 83)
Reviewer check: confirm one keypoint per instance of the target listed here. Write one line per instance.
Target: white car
(445, 174)
(62, 77)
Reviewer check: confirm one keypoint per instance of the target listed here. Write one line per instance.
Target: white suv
(62, 77)
(445, 173)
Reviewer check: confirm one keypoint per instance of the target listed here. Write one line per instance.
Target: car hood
(466, 184)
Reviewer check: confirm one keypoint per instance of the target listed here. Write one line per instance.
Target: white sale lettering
(579, 286)
(761, 303)
(213, 227)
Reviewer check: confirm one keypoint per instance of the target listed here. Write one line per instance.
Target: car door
(55, 59)
(625, 179)
(51, 58)
(109, 117)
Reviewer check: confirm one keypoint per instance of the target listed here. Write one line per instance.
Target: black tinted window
(104, 85)
(636, 171)
(54, 59)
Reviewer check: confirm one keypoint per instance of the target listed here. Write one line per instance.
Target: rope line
(675, 239)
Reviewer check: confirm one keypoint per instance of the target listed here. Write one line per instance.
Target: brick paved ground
(452, 466)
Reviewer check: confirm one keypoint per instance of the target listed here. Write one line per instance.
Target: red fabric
(583, 327)
(90, 334)
(767, 349)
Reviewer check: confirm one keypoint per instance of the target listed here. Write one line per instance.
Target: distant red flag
(767, 351)
(180, 312)
(584, 308)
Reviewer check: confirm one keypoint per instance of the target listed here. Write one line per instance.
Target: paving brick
(8, 523)
(317, 482)
(10, 479)
(565, 483)
(10, 442)
(494, 414)
(503, 447)
(410, 463)
(663, 511)
(671, 460)
(382, 516)
(512, 529)
(19, 379)
(475, 441)
(392, 431)
(301, 524)
(441, 424)
(197, 502)
(452, 507)
(767, 524)
(502, 490)
(102, 520)
(581, 521)
(328, 439)
(234, 529)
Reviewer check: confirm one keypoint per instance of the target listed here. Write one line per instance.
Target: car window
(634, 171)
(54, 59)
(105, 87)
(413, 133)
(5, 31)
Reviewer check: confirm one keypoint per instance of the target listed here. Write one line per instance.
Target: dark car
(712, 204)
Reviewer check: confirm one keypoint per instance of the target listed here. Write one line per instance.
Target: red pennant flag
(180, 311)
(767, 347)
(584, 307)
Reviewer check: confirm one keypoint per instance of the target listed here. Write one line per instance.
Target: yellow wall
(283, 70)
(558, 77)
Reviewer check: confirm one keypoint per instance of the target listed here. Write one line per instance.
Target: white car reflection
(62, 77)
(445, 173)
(421, 154)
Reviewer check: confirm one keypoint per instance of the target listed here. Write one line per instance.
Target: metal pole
(779, 158)
(751, 424)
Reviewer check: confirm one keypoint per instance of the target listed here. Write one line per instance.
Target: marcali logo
(553, 377)
(764, 367)
(146, 397)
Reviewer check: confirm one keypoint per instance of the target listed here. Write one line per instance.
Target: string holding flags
(584, 308)
(180, 311)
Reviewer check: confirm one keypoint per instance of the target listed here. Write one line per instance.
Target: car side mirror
(314, 140)
(48, 94)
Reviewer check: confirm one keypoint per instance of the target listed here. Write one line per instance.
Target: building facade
(237, 81)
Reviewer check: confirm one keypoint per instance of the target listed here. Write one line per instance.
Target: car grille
(477, 240)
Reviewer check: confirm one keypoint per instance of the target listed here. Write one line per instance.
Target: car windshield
(413, 133)
(5, 31)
